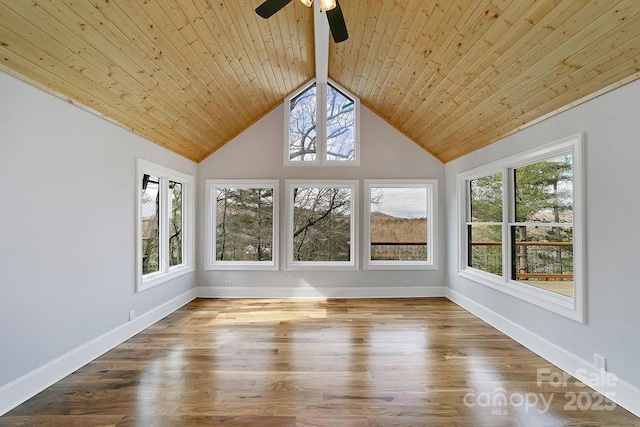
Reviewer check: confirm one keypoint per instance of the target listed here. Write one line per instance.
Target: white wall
(612, 152)
(67, 227)
(257, 153)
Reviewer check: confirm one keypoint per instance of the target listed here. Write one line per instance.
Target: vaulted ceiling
(452, 75)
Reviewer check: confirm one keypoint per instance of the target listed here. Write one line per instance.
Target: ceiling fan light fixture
(327, 5)
(307, 3)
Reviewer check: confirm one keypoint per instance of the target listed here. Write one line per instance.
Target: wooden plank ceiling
(452, 75)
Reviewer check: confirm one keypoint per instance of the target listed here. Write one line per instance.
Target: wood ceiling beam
(321, 32)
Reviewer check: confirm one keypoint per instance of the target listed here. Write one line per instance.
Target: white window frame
(165, 272)
(287, 118)
(573, 308)
(490, 279)
(352, 264)
(321, 130)
(431, 186)
(210, 262)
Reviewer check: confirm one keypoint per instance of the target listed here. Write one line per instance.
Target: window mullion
(321, 121)
(467, 228)
(183, 214)
(508, 215)
(164, 223)
(468, 202)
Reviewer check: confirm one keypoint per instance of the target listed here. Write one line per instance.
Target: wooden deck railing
(395, 243)
(538, 275)
(398, 243)
(398, 251)
(544, 276)
(524, 243)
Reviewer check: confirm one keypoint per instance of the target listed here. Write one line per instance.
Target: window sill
(336, 266)
(556, 303)
(156, 279)
(399, 265)
(241, 266)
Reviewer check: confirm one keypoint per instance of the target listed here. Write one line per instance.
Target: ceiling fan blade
(337, 24)
(269, 7)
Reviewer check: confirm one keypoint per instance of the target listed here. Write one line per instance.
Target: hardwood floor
(369, 362)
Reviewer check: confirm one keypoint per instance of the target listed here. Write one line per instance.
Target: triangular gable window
(336, 142)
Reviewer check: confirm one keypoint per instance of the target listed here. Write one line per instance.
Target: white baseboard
(32, 383)
(321, 292)
(621, 392)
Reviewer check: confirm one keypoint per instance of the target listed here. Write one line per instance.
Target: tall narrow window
(401, 224)
(341, 129)
(321, 136)
(485, 223)
(150, 224)
(303, 116)
(321, 224)
(523, 227)
(165, 224)
(175, 223)
(242, 218)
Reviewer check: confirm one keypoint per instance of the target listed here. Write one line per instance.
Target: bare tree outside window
(321, 224)
(175, 223)
(302, 126)
(244, 224)
(339, 126)
(150, 224)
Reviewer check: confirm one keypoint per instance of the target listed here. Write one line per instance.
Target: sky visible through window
(400, 202)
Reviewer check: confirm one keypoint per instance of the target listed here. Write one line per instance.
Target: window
(321, 224)
(522, 227)
(542, 234)
(242, 218)
(401, 220)
(336, 141)
(175, 223)
(303, 116)
(340, 127)
(165, 224)
(484, 225)
(150, 224)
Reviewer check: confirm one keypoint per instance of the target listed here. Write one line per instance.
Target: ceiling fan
(331, 7)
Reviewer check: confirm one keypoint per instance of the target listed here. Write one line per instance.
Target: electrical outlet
(228, 282)
(132, 315)
(600, 362)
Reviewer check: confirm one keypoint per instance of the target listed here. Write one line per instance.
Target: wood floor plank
(368, 362)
